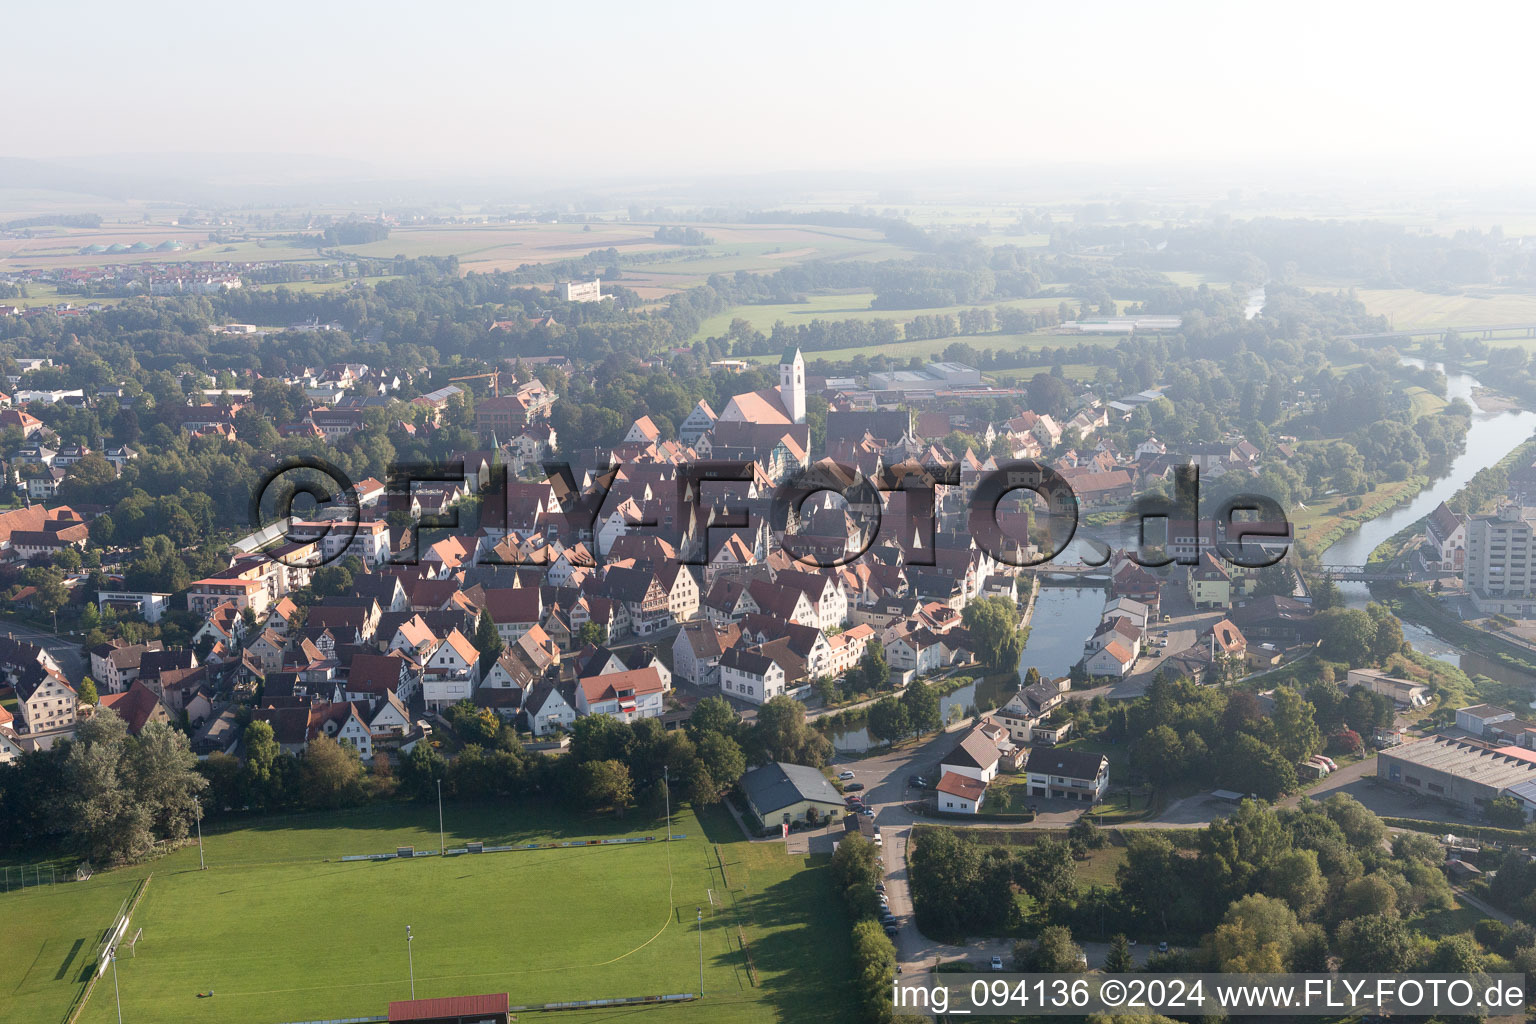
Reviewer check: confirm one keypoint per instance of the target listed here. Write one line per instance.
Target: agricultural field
(1405, 308)
(849, 306)
(279, 930)
(932, 348)
(321, 287)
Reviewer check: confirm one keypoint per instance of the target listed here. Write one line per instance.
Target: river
(1063, 618)
(1491, 436)
(1254, 305)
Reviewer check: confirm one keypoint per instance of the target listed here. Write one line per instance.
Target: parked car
(868, 812)
(878, 841)
(879, 887)
(916, 782)
(845, 775)
(997, 963)
(1131, 942)
(853, 787)
(852, 800)
(1328, 761)
(891, 930)
(1162, 947)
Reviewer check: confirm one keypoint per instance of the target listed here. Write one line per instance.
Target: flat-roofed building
(1457, 771)
(1501, 561)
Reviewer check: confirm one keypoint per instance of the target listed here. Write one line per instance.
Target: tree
(712, 714)
(125, 792)
(1119, 959)
(605, 784)
(993, 623)
(1159, 756)
(420, 770)
(781, 734)
(1361, 827)
(162, 771)
(87, 691)
(874, 965)
(602, 738)
(1348, 635)
(1375, 945)
(1252, 766)
(331, 580)
(1085, 833)
(1295, 878)
(1052, 952)
(856, 866)
(51, 591)
(1455, 954)
(888, 720)
(1048, 872)
(225, 783)
(1295, 727)
(261, 753)
(332, 773)
(720, 762)
(591, 634)
(922, 704)
(108, 825)
(1371, 896)
(1255, 936)
(874, 671)
(1387, 638)
(1505, 812)
(487, 640)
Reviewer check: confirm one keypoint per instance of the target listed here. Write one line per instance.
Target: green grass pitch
(281, 931)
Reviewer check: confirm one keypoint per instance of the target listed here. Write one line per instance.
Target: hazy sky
(608, 90)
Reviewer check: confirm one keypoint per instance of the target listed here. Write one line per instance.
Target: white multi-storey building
(1499, 572)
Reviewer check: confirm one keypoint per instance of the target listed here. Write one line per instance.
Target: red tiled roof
(962, 786)
(454, 1006)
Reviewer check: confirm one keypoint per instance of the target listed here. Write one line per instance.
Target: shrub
(1345, 741)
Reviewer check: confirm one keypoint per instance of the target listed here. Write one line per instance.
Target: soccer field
(48, 941)
(280, 933)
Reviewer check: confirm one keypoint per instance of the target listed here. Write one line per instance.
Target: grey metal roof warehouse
(771, 787)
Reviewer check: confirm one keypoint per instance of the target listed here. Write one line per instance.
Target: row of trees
(106, 795)
(856, 870)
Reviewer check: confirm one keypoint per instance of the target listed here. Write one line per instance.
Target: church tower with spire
(792, 384)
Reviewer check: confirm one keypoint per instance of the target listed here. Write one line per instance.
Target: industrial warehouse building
(1462, 773)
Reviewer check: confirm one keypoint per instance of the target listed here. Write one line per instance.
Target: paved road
(65, 651)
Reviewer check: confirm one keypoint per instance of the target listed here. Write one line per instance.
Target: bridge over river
(1364, 574)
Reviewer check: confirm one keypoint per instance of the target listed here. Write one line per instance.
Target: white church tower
(792, 384)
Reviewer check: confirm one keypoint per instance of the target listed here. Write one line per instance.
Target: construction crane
(494, 375)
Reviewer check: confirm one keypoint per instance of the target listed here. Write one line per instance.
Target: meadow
(279, 930)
